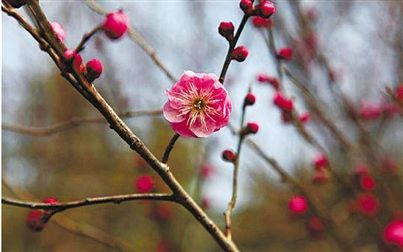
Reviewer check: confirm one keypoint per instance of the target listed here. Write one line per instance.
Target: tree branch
(169, 148)
(74, 122)
(115, 199)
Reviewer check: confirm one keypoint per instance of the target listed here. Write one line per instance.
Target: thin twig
(312, 103)
(232, 44)
(78, 228)
(87, 37)
(231, 204)
(169, 148)
(72, 123)
(115, 199)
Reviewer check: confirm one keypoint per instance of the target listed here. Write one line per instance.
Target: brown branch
(231, 204)
(115, 199)
(74, 227)
(116, 123)
(169, 148)
(74, 122)
(138, 39)
(315, 107)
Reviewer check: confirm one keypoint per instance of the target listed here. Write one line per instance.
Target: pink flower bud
(246, 6)
(144, 184)
(115, 24)
(361, 170)
(240, 53)
(94, 69)
(250, 99)
(285, 53)
(250, 128)
(368, 111)
(304, 117)
(206, 171)
(35, 220)
(367, 182)
(367, 204)
(229, 155)
(273, 81)
(320, 161)
(71, 57)
(260, 22)
(282, 102)
(265, 9)
(298, 205)
(393, 233)
(58, 30)
(50, 200)
(226, 29)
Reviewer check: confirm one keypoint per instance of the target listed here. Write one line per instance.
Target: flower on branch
(115, 24)
(37, 219)
(94, 69)
(58, 30)
(198, 105)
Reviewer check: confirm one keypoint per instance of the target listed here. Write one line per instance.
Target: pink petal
(182, 129)
(172, 115)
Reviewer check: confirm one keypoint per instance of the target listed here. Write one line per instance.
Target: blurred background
(340, 47)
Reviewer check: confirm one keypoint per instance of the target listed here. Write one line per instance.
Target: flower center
(198, 104)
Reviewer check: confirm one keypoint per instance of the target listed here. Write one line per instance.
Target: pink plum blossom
(198, 105)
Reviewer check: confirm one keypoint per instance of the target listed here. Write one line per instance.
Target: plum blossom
(198, 105)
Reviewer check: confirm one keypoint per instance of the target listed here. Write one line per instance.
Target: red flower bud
(144, 184)
(393, 233)
(368, 111)
(304, 117)
(71, 57)
(282, 102)
(239, 53)
(367, 204)
(229, 155)
(320, 161)
(35, 220)
(367, 182)
(94, 69)
(206, 171)
(273, 81)
(265, 9)
(246, 6)
(115, 24)
(50, 200)
(298, 205)
(250, 128)
(260, 22)
(250, 99)
(226, 29)
(285, 53)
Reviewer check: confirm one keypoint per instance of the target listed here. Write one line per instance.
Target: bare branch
(74, 122)
(169, 148)
(115, 199)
